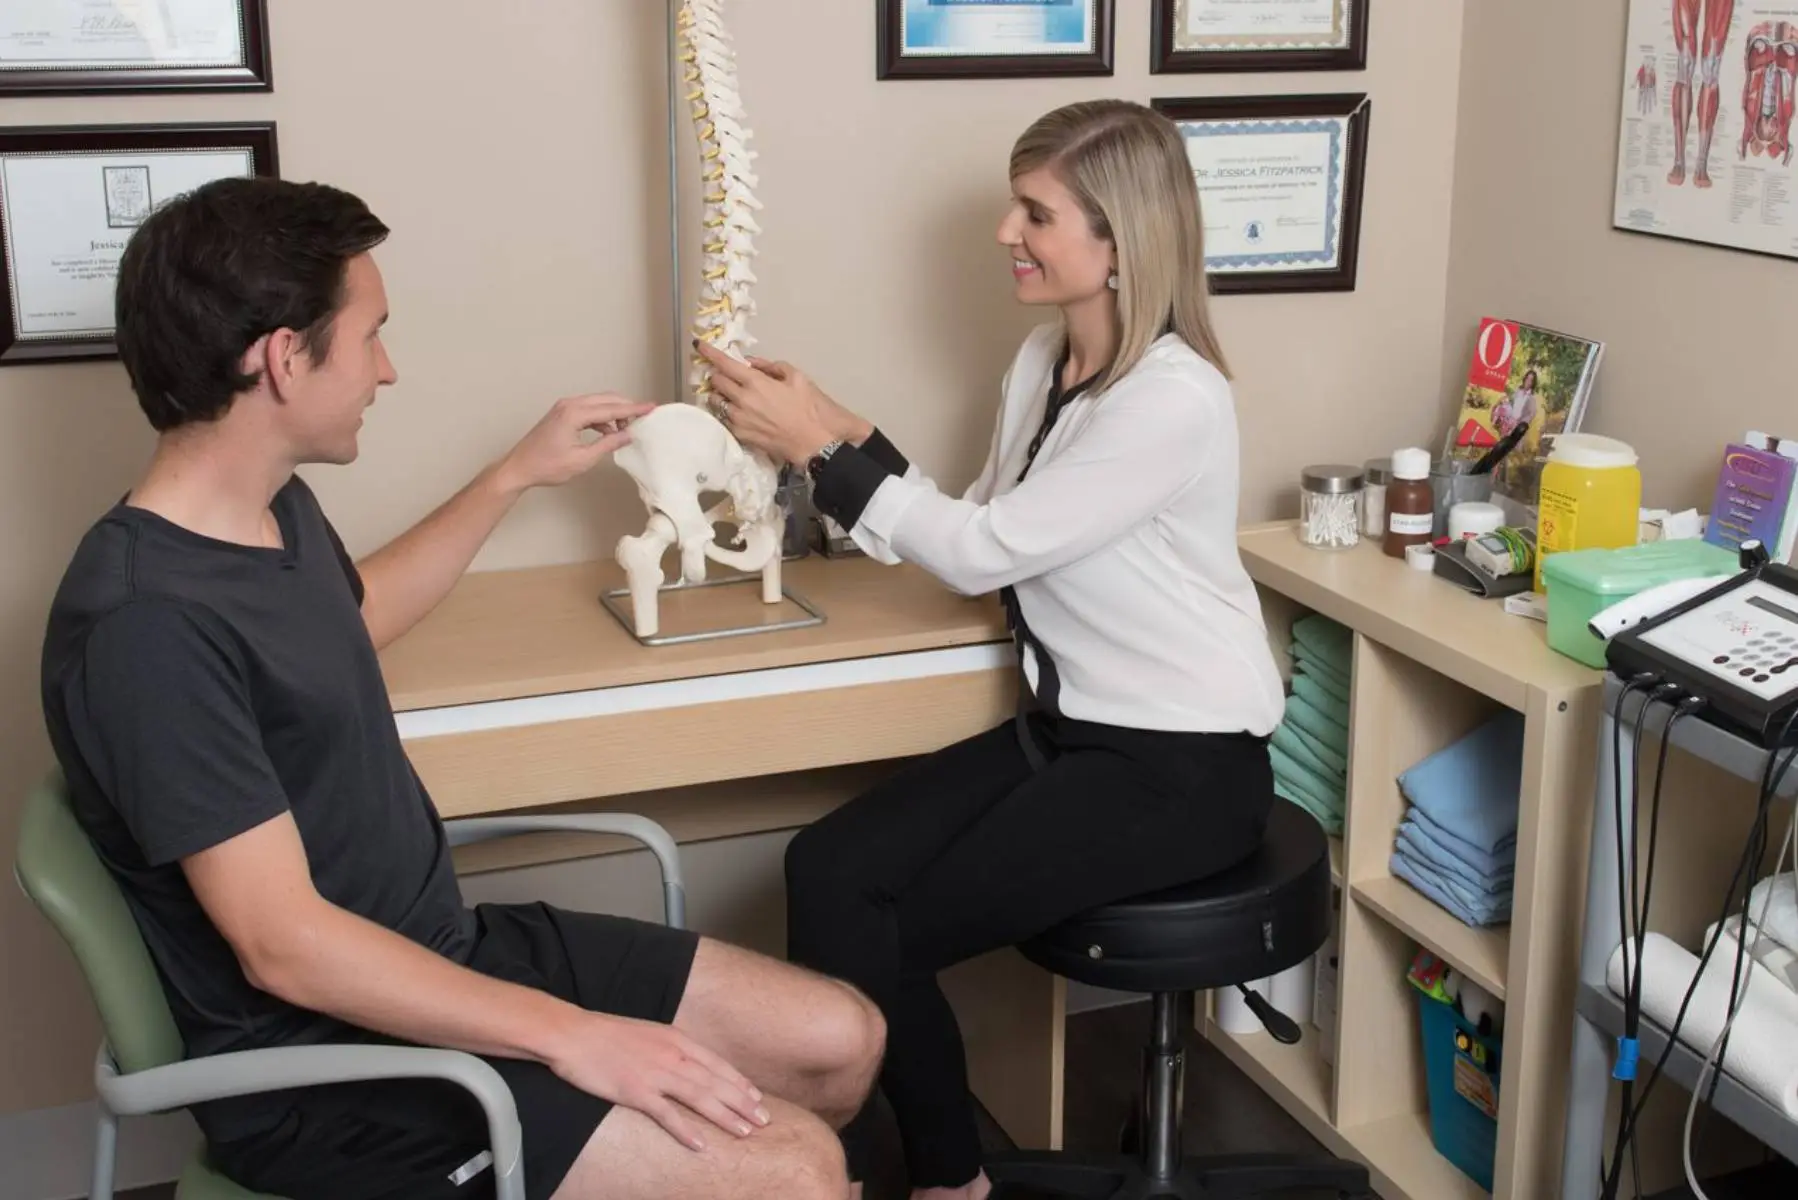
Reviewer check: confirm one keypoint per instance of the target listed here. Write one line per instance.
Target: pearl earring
(1112, 283)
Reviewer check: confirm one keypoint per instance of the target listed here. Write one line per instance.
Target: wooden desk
(520, 690)
(1430, 664)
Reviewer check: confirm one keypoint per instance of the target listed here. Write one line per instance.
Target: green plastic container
(1582, 583)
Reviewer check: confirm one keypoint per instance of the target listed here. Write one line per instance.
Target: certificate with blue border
(994, 37)
(1280, 185)
(1258, 35)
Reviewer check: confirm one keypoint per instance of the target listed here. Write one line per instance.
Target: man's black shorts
(388, 1139)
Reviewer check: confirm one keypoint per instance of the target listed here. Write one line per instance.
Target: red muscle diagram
(1707, 57)
(1645, 86)
(1772, 64)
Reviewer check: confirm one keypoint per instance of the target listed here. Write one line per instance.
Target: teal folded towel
(1333, 687)
(1332, 733)
(1331, 822)
(1303, 779)
(1308, 662)
(1295, 743)
(1335, 761)
(1471, 787)
(1333, 643)
(1313, 692)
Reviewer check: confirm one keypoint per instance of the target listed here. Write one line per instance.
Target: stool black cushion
(1267, 913)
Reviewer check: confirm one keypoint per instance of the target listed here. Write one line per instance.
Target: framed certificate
(1280, 180)
(70, 197)
(990, 39)
(87, 47)
(1258, 35)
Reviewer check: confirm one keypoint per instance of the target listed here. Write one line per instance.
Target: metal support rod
(1164, 1083)
(676, 330)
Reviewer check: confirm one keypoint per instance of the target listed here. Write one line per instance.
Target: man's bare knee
(796, 1157)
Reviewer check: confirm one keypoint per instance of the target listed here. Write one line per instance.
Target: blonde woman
(1105, 518)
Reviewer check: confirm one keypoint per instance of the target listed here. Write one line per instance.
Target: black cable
(1644, 680)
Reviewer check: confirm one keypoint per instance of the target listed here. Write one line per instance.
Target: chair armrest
(248, 1072)
(470, 830)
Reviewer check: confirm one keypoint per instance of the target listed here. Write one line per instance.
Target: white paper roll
(1293, 993)
(1233, 1014)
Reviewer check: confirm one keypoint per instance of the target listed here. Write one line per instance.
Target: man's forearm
(365, 975)
(405, 579)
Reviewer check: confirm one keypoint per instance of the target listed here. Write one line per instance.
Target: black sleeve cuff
(882, 451)
(846, 483)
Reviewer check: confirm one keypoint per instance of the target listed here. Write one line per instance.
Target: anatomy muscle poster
(1704, 149)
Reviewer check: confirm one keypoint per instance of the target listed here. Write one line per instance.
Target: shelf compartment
(1746, 1108)
(1297, 1075)
(1404, 1161)
(1479, 953)
(1336, 861)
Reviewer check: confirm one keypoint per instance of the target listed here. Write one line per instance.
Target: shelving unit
(1600, 1011)
(1431, 664)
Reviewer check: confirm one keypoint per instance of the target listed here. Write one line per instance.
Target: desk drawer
(492, 770)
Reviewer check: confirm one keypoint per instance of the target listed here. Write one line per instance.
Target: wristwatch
(815, 463)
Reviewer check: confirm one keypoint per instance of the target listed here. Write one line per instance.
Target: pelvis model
(681, 452)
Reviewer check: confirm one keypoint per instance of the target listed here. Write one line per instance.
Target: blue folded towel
(1476, 911)
(1480, 860)
(1470, 788)
(1425, 852)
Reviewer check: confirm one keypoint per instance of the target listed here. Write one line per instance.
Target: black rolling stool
(1255, 920)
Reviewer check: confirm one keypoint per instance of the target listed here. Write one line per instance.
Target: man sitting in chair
(213, 695)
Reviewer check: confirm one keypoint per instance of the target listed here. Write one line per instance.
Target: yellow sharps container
(1590, 497)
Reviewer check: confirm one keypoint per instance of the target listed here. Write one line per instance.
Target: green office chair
(140, 1068)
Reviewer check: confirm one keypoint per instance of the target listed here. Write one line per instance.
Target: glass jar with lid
(1330, 512)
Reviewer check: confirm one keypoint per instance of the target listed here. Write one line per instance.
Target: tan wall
(1690, 329)
(523, 169)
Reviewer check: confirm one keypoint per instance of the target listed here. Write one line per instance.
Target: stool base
(1160, 1169)
(1231, 1177)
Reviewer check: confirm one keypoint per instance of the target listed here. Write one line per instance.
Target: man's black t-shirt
(195, 689)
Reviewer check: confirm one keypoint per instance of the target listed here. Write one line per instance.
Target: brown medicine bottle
(1410, 506)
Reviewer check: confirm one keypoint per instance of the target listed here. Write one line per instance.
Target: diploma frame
(1351, 105)
(1168, 57)
(76, 141)
(894, 63)
(254, 74)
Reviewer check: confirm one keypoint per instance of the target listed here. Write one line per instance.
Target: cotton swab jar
(1330, 497)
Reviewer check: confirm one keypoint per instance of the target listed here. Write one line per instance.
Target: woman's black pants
(968, 850)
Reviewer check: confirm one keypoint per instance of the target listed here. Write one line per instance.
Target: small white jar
(1377, 473)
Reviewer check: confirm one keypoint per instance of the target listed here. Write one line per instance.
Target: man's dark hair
(214, 269)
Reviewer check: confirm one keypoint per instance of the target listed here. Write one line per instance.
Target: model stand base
(618, 602)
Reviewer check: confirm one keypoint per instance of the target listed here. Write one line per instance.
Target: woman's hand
(774, 407)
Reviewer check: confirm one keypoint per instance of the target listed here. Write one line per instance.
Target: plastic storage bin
(1462, 1070)
(1582, 583)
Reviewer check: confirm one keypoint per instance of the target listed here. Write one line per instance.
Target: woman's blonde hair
(1126, 164)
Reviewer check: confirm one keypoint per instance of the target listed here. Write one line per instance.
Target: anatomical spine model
(679, 451)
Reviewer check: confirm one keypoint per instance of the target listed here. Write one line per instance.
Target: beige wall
(1690, 329)
(528, 260)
